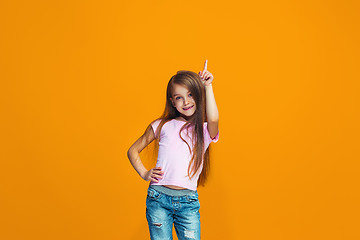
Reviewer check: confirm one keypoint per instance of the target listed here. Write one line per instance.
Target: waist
(172, 192)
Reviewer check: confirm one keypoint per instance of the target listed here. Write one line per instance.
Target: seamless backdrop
(81, 81)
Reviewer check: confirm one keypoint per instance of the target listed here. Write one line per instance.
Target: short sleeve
(154, 126)
(207, 134)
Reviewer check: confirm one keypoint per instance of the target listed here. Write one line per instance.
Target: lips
(188, 108)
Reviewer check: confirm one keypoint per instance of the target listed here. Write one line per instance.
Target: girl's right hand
(154, 174)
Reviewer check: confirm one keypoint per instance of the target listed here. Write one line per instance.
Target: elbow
(131, 152)
(213, 119)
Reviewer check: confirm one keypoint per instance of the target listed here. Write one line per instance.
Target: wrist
(208, 87)
(143, 174)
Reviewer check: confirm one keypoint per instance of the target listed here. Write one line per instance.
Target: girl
(183, 133)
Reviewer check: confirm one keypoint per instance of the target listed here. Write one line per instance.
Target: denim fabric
(162, 211)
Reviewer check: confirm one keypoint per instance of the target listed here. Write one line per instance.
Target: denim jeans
(163, 210)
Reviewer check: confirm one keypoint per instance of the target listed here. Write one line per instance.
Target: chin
(189, 114)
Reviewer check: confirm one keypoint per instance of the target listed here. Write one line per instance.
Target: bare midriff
(174, 187)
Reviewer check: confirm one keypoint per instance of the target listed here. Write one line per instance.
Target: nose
(186, 100)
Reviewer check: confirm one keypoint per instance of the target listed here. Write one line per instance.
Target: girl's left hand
(205, 76)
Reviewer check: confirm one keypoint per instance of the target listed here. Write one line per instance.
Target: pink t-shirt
(174, 155)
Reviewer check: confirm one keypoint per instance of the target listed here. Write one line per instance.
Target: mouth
(188, 108)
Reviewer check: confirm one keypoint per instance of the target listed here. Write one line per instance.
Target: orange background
(81, 81)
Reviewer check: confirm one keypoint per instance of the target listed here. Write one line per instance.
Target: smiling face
(183, 101)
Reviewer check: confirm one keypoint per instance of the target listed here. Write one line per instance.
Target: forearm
(136, 162)
(212, 112)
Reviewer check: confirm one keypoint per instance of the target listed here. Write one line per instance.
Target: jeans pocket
(153, 194)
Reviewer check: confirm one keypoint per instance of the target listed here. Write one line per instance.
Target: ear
(172, 102)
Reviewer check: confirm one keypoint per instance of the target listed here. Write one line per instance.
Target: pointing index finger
(205, 65)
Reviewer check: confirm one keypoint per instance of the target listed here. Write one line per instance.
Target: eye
(190, 94)
(177, 98)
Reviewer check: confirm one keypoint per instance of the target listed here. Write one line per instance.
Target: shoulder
(155, 122)
(155, 125)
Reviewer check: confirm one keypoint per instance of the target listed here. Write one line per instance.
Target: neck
(184, 118)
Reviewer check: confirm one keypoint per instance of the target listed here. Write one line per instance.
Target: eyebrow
(180, 94)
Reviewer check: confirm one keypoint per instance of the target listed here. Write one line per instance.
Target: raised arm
(212, 112)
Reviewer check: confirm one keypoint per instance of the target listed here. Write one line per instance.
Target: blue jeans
(163, 210)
